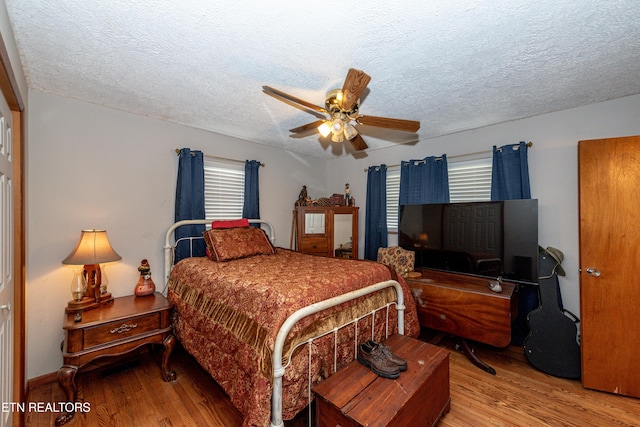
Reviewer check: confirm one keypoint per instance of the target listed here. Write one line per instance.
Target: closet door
(609, 191)
(6, 260)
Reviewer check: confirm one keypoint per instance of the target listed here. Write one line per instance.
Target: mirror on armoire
(342, 237)
(314, 223)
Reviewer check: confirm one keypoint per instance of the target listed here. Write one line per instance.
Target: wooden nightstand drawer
(121, 329)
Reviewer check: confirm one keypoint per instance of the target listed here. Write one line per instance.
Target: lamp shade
(92, 248)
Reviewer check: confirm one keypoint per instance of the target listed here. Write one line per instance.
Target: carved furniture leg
(467, 351)
(169, 344)
(66, 379)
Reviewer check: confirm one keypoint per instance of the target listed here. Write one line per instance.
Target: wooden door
(609, 190)
(6, 260)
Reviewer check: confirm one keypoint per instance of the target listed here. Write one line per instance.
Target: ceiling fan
(342, 108)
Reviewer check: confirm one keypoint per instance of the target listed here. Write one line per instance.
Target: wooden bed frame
(278, 368)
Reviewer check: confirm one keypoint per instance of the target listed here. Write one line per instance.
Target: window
(393, 196)
(469, 181)
(223, 189)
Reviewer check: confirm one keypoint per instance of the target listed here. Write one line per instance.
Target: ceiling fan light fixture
(337, 126)
(337, 137)
(349, 131)
(324, 129)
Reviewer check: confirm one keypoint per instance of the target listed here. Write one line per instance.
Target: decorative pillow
(224, 244)
(397, 258)
(230, 223)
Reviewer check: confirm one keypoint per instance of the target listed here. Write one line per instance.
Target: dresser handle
(123, 328)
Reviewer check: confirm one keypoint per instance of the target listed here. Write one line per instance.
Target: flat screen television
(486, 239)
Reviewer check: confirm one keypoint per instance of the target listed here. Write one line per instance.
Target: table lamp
(92, 249)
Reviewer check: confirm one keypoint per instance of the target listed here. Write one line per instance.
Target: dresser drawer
(121, 329)
(314, 245)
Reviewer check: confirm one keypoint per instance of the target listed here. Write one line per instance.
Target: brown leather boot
(399, 361)
(375, 359)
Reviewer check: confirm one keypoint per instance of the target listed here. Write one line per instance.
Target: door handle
(591, 271)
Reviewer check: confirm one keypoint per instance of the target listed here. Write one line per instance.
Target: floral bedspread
(227, 315)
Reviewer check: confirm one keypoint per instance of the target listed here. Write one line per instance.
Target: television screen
(488, 239)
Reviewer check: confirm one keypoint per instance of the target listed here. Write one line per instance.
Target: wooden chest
(355, 396)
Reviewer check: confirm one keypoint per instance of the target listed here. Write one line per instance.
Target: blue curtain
(424, 181)
(190, 202)
(510, 180)
(251, 207)
(510, 172)
(375, 235)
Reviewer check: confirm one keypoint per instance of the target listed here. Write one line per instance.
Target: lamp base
(87, 303)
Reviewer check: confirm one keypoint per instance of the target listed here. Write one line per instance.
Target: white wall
(94, 167)
(553, 168)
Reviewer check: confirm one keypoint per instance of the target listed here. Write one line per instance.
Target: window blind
(223, 189)
(470, 181)
(393, 196)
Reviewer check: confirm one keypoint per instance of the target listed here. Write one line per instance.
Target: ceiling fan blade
(358, 143)
(385, 122)
(279, 94)
(354, 84)
(308, 126)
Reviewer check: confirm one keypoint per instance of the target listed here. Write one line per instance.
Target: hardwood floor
(518, 395)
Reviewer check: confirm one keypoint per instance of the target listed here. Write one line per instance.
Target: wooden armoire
(609, 192)
(327, 230)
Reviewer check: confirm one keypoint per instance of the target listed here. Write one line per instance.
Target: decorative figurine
(347, 193)
(303, 198)
(145, 285)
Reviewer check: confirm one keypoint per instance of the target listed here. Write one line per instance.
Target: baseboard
(52, 377)
(41, 380)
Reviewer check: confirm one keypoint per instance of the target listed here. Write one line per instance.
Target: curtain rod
(219, 158)
(529, 145)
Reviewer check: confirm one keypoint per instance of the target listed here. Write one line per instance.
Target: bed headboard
(170, 243)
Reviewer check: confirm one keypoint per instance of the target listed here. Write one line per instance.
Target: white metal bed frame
(278, 368)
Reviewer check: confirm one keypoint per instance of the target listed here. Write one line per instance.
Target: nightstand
(115, 329)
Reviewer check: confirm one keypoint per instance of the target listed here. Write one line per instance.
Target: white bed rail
(169, 241)
(278, 369)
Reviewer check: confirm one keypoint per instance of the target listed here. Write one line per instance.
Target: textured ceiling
(452, 65)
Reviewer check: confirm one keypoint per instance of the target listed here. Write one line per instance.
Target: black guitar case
(552, 343)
